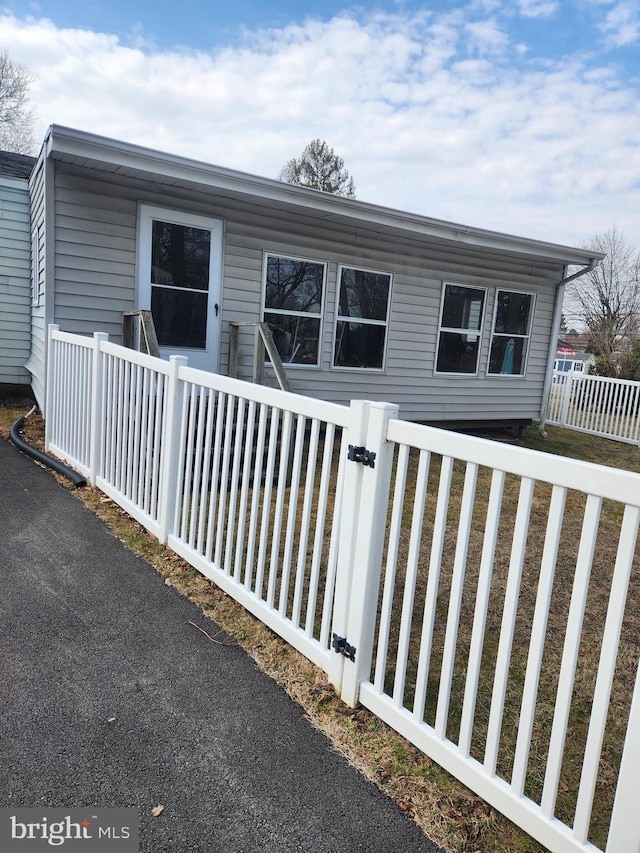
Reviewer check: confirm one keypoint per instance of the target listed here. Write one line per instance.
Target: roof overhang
(126, 160)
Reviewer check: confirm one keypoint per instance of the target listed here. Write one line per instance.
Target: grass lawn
(449, 813)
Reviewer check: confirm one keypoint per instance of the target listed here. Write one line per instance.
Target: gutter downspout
(555, 328)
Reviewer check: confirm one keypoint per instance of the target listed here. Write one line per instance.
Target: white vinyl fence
(479, 598)
(596, 404)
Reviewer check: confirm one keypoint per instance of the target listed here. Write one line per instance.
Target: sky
(521, 116)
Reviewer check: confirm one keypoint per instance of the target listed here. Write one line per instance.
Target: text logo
(86, 830)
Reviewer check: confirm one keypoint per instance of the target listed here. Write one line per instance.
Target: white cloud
(486, 37)
(537, 8)
(622, 24)
(424, 119)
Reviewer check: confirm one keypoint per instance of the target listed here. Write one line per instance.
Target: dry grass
(447, 812)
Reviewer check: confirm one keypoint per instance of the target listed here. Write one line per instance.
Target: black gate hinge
(342, 647)
(361, 454)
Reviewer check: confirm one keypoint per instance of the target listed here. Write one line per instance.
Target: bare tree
(320, 168)
(16, 116)
(607, 299)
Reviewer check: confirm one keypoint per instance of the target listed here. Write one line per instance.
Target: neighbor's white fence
(423, 580)
(596, 404)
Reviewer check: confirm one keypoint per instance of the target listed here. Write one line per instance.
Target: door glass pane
(180, 317)
(180, 255)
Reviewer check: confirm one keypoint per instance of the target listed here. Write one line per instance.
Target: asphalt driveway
(109, 698)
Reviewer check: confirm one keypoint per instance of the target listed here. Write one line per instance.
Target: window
(511, 331)
(567, 365)
(362, 319)
(293, 294)
(460, 329)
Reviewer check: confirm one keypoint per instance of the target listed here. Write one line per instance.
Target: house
(570, 358)
(453, 323)
(15, 275)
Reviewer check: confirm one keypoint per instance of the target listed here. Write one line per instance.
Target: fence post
(364, 512)
(170, 451)
(49, 389)
(97, 407)
(624, 830)
(349, 503)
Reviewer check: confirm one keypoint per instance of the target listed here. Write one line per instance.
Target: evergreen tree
(320, 168)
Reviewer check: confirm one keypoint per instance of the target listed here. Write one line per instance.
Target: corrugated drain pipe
(77, 479)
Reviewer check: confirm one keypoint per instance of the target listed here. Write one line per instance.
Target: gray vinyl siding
(95, 266)
(15, 281)
(37, 357)
(95, 258)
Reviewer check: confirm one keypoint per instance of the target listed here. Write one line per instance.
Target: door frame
(207, 359)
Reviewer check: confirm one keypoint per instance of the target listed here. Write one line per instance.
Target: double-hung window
(460, 330)
(293, 294)
(362, 319)
(511, 333)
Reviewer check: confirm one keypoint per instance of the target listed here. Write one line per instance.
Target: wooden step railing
(264, 346)
(141, 336)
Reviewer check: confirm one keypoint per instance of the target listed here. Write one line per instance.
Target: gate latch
(342, 647)
(361, 454)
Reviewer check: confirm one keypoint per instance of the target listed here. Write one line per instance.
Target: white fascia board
(120, 157)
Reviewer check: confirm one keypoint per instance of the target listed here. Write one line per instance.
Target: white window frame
(442, 328)
(526, 337)
(304, 314)
(363, 321)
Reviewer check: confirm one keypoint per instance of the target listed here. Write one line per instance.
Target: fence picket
(233, 491)
(433, 581)
(255, 496)
(538, 634)
(305, 520)
(606, 670)
(244, 494)
(290, 528)
(391, 564)
(411, 573)
(481, 609)
(569, 661)
(508, 624)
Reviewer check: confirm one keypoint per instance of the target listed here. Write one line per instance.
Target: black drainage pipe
(77, 479)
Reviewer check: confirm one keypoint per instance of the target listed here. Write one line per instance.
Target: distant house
(15, 268)
(455, 324)
(576, 362)
(571, 355)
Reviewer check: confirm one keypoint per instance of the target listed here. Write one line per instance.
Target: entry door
(179, 281)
